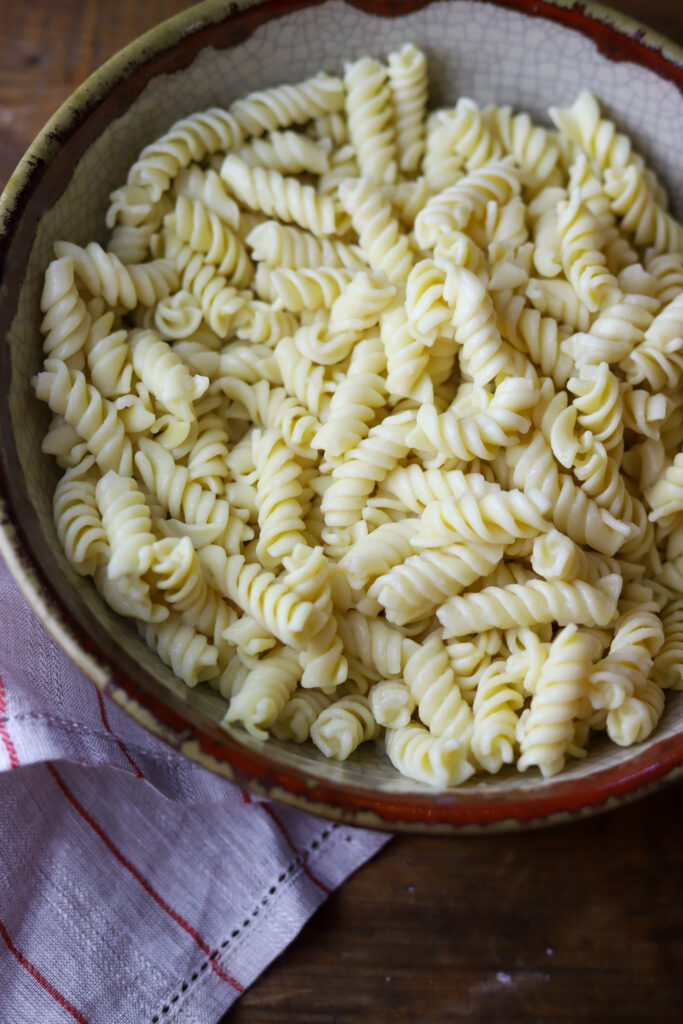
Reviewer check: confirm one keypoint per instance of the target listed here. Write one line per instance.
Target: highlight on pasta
(369, 417)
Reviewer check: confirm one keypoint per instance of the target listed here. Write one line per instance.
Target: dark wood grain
(574, 925)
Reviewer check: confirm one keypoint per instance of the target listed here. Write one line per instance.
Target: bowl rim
(472, 810)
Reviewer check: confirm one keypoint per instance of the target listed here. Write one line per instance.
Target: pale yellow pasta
(371, 418)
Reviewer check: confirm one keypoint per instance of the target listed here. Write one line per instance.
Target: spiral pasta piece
(268, 407)
(78, 521)
(296, 719)
(302, 378)
(185, 499)
(209, 189)
(370, 117)
(309, 288)
(668, 663)
(354, 403)
(278, 196)
(599, 404)
(108, 357)
(94, 418)
(310, 575)
(66, 321)
(658, 359)
(188, 652)
(624, 671)
(379, 234)
(376, 644)
(392, 703)
(493, 518)
(165, 375)
(407, 357)
(104, 274)
(206, 233)
(452, 209)
(546, 730)
(416, 488)
(583, 262)
(497, 699)
(471, 137)
(265, 692)
(535, 149)
(291, 248)
(277, 498)
(128, 525)
(435, 761)
(432, 683)
(641, 216)
(416, 587)
(409, 88)
(285, 105)
(558, 299)
(258, 593)
(583, 125)
(287, 152)
(635, 718)
(343, 726)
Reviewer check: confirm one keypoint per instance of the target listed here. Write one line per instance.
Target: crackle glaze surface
(491, 53)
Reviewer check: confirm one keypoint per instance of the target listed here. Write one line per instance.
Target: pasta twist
(94, 418)
(165, 375)
(223, 306)
(309, 288)
(471, 137)
(291, 248)
(668, 663)
(209, 189)
(583, 262)
(494, 518)
(284, 105)
(435, 761)
(128, 525)
(277, 498)
(599, 404)
(392, 703)
(287, 152)
(206, 233)
(379, 234)
(537, 601)
(343, 726)
(432, 683)
(353, 405)
(265, 692)
(497, 699)
(582, 124)
(537, 336)
(207, 459)
(178, 316)
(370, 115)
(108, 357)
(409, 88)
(417, 488)
(635, 718)
(268, 407)
(415, 588)
(258, 593)
(546, 730)
(374, 555)
(658, 359)
(665, 497)
(376, 644)
(365, 466)
(484, 355)
(442, 166)
(279, 196)
(624, 671)
(559, 300)
(480, 435)
(641, 216)
(452, 209)
(77, 520)
(428, 313)
(309, 574)
(66, 321)
(667, 271)
(104, 274)
(178, 575)
(182, 497)
(303, 379)
(187, 652)
(407, 356)
(535, 149)
(298, 715)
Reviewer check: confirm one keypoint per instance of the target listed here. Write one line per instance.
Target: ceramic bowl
(524, 53)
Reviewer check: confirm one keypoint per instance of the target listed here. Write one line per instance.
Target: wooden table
(574, 925)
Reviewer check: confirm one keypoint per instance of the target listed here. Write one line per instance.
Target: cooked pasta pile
(370, 418)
